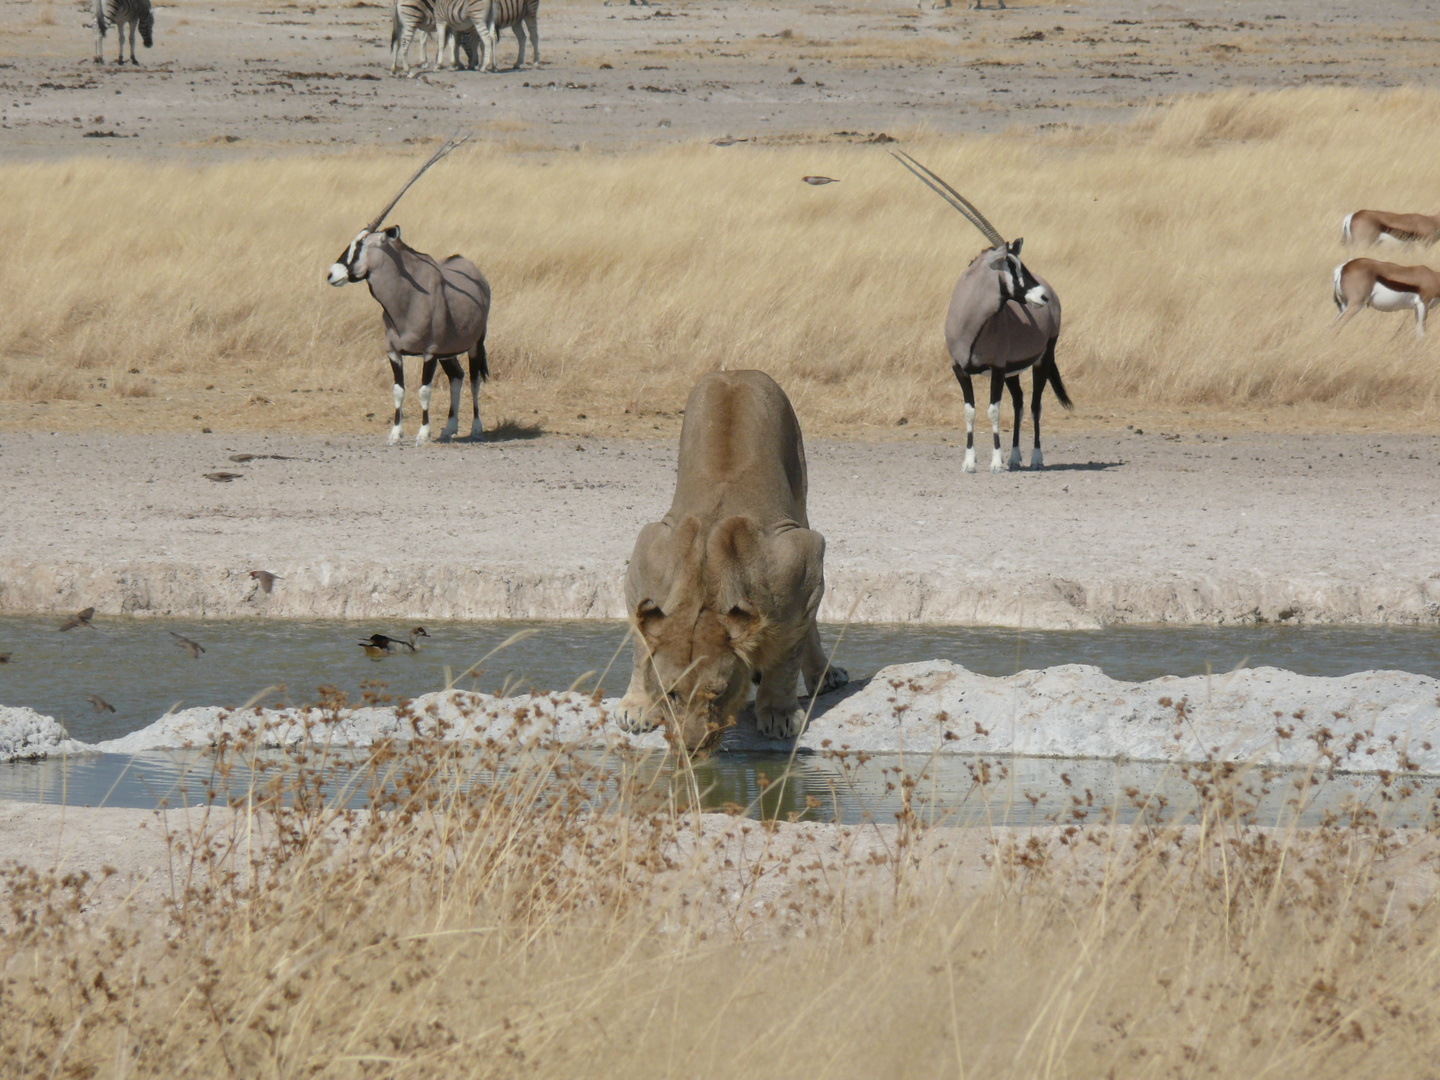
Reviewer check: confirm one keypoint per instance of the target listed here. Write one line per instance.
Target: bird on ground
(4, 657)
(101, 705)
(194, 648)
(266, 579)
(379, 644)
(80, 618)
(818, 180)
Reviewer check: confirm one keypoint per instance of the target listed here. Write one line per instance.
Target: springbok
(1002, 319)
(1382, 227)
(1385, 286)
(436, 310)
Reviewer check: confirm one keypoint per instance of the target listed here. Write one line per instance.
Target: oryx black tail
(1052, 376)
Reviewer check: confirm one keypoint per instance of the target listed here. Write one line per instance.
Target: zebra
(486, 18)
(122, 14)
(411, 17)
(512, 13)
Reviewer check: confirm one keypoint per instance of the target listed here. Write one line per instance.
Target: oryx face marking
(361, 257)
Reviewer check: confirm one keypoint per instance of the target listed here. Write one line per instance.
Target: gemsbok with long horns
(1362, 283)
(1365, 227)
(1003, 318)
(435, 310)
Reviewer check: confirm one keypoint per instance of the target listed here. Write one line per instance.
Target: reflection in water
(135, 665)
(864, 788)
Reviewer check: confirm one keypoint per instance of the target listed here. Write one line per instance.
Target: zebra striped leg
(487, 46)
(1017, 398)
(427, 378)
(133, 58)
(533, 25)
(397, 370)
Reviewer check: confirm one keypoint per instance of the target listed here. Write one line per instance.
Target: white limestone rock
(26, 735)
(1076, 710)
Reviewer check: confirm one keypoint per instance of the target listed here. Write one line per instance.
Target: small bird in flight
(379, 644)
(194, 648)
(818, 180)
(266, 579)
(101, 705)
(80, 618)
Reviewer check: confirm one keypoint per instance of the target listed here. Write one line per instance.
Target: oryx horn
(951, 196)
(450, 144)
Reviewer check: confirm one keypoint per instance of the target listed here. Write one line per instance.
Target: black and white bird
(378, 645)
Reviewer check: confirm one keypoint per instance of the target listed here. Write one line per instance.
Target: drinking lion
(723, 590)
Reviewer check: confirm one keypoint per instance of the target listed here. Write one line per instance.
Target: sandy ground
(1137, 527)
(246, 77)
(748, 874)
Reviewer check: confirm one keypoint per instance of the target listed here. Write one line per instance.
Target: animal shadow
(744, 737)
(1084, 466)
(511, 430)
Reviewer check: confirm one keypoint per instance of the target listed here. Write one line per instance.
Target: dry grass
(489, 915)
(1192, 248)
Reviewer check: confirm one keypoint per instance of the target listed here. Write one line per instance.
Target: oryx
(1385, 286)
(1383, 227)
(435, 310)
(1003, 319)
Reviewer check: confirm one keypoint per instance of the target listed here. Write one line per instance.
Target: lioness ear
(648, 620)
(742, 623)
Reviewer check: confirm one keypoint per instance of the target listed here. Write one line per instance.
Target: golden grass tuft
(504, 913)
(1192, 248)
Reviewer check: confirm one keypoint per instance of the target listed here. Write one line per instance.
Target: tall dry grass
(1193, 250)
(502, 914)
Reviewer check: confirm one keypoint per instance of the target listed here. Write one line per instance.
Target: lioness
(723, 590)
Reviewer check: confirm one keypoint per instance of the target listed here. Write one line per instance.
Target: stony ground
(1127, 527)
(245, 77)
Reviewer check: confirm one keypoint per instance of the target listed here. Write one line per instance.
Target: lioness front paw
(835, 678)
(630, 715)
(778, 721)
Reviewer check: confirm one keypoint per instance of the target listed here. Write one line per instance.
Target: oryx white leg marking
(423, 434)
(969, 465)
(1017, 461)
(996, 462)
(398, 392)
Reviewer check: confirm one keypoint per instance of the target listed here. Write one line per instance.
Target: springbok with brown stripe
(1365, 227)
(1002, 319)
(1385, 286)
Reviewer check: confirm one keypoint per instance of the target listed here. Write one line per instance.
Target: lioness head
(697, 673)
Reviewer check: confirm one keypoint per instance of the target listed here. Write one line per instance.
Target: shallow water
(947, 791)
(135, 665)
